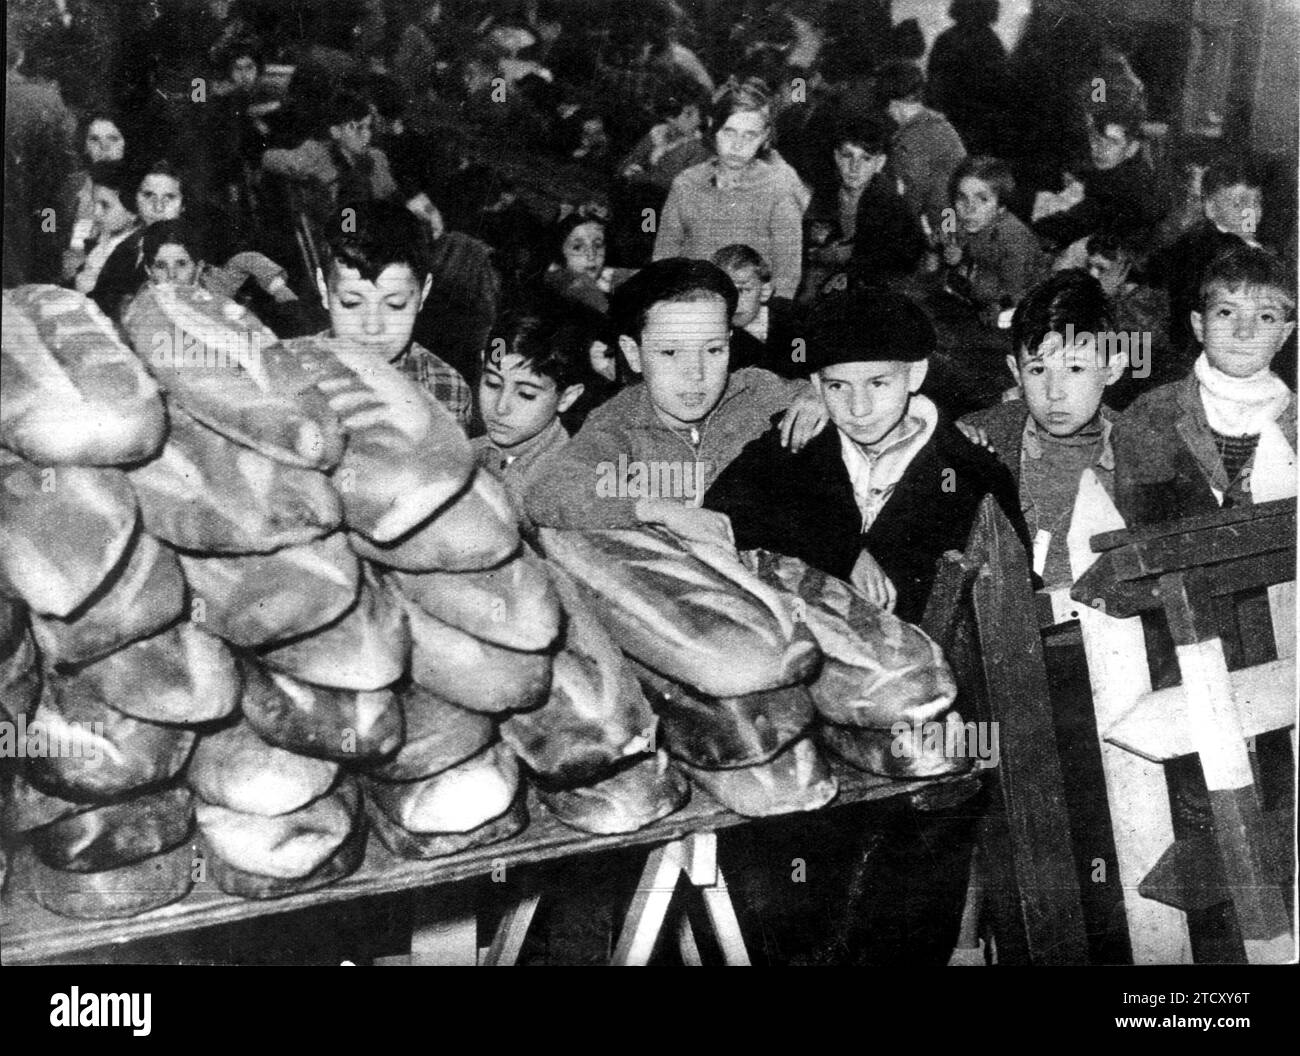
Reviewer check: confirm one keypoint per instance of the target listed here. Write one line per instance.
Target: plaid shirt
(441, 379)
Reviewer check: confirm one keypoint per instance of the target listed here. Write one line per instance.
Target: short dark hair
(1251, 267)
(1068, 298)
(673, 279)
(171, 232)
(570, 223)
(346, 105)
(1109, 244)
(159, 167)
(863, 128)
(547, 342)
(371, 236)
(899, 79)
(993, 171)
(114, 176)
(738, 255)
(1230, 171)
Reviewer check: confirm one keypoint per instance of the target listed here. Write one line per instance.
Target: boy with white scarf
(1225, 435)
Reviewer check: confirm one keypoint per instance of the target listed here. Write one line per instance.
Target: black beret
(867, 326)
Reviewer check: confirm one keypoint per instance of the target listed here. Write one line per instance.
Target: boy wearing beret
(878, 499)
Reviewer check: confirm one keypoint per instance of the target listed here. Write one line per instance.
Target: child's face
(243, 71)
(741, 137)
(683, 357)
(1064, 386)
(379, 316)
(584, 250)
(516, 402)
(600, 357)
(1111, 273)
(1237, 209)
(857, 167)
(353, 137)
(976, 204)
(104, 141)
(753, 294)
(868, 401)
(1110, 146)
(173, 264)
(159, 198)
(1243, 329)
(111, 216)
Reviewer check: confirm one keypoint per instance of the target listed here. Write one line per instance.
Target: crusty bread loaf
(642, 791)
(514, 606)
(596, 714)
(108, 895)
(406, 457)
(20, 676)
(878, 669)
(910, 756)
(422, 846)
(233, 767)
(459, 799)
(54, 572)
(141, 597)
(472, 673)
(117, 834)
(74, 394)
(210, 355)
(366, 649)
(259, 599)
(183, 676)
(796, 780)
(721, 732)
(91, 751)
(342, 724)
(27, 807)
(476, 531)
(286, 846)
(438, 736)
(675, 613)
(206, 494)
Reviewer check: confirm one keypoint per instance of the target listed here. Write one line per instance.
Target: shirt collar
(1032, 443)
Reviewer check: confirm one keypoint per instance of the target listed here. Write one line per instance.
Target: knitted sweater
(1003, 260)
(517, 468)
(624, 448)
(763, 210)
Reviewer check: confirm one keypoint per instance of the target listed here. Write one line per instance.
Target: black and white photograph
(774, 483)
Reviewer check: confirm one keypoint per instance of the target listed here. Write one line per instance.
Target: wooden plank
(1122, 536)
(445, 931)
(1025, 834)
(1155, 726)
(717, 900)
(511, 932)
(649, 907)
(686, 944)
(29, 933)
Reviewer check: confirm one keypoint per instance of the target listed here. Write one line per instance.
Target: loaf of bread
(406, 457)
(234, 768)
(117, 834)
(27, 807)
(74, 394)
(422, 846)
(438, 736)
(684, 618)
(878, 669)
(143, 596)
(916, 753)
(20, 670)
(343, 724)
(365, 649)
(259, 599)
(183, 676)
(210, 355)
(112, 894)
(796, 780)
(472, 673)
(56, 571)
(596, 714)
(643, 790)
(206, 494)
(514, 606)
(476, 531)
(93, 752)
(459, 799)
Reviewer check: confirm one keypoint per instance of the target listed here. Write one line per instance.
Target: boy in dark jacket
(879, 499)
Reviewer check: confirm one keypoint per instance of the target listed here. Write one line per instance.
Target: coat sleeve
(743, 491)
(787, 247)
(671, 238)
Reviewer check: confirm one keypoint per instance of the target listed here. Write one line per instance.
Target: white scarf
(1240, 406)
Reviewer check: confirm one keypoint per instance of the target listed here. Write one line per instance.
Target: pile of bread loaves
(257, 589)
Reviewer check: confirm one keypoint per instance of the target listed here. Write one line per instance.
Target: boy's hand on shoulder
(870, 578)
(805, 418)
(976, 435)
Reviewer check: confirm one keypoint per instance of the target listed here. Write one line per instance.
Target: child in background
(158, 196)
(112, 223)
(374, 283)
(990, 254)
(674, 144)
(674, 320)
(579, 272)
(1142, 312)
(746, 193)
(532, 372)
(764, 329)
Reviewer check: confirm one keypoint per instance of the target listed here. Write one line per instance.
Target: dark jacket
(776, 353)
(1124, 200)
(802, 505)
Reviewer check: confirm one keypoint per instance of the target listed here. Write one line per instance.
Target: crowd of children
(801, 334)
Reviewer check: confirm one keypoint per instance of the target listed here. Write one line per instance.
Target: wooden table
(30, 933)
